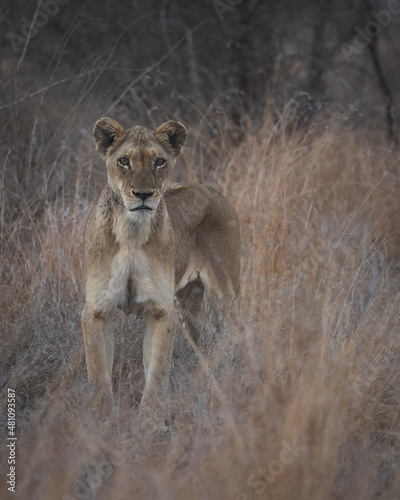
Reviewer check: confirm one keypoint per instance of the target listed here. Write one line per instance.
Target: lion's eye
(159, 162)
(124, 161)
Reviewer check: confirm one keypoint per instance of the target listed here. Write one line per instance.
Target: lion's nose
(143, 196)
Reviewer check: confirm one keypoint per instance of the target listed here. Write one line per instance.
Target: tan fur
(186, 245)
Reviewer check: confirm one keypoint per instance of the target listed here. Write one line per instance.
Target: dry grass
(297, 398)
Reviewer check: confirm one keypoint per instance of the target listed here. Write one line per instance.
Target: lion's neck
(135, 229)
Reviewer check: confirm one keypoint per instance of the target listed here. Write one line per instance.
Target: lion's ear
(106, 132)
(172, 135)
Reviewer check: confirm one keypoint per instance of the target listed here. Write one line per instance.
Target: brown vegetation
(312, 359)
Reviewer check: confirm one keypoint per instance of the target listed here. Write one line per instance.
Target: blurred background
(219, 65)
(185, 55)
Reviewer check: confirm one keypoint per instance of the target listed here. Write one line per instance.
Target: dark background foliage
(207, 52)
(66, 64)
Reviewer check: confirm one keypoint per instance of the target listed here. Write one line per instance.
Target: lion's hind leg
(191, 305)
(221, 294)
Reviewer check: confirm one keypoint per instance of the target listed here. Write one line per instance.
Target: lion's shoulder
(187, 204)
(191, 205)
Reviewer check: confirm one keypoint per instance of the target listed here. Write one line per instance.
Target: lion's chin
(140, 214)
(143, 208)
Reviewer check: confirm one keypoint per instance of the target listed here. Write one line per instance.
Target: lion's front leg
(99, 340)
(157, 355)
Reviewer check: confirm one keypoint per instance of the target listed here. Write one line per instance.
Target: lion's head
(139, 161)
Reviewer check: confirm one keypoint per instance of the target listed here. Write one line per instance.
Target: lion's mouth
(139, 209)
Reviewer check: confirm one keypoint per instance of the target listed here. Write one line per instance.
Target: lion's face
(140, 171)
(139, 161)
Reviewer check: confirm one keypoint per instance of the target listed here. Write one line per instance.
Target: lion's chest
(137, 279)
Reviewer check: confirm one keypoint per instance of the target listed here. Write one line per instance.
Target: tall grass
(297, 397)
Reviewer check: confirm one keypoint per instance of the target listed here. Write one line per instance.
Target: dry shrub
(298, 395)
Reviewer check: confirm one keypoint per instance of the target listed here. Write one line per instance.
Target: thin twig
(29, 35)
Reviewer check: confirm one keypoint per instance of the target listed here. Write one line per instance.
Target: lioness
(147, 243)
